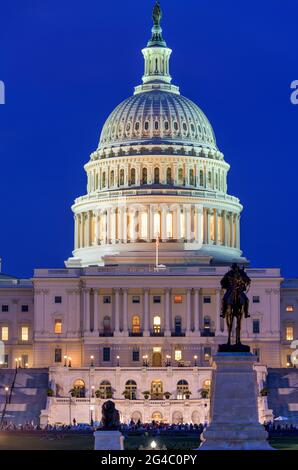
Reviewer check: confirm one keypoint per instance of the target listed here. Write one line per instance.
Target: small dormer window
(184, 126)
(156, 125)
(166, 126)
(137, 126)
(146, 126)
(176, 126)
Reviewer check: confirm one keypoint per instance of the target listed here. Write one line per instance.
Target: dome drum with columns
(157, 173)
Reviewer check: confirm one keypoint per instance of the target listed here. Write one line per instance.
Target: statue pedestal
(234, 405)
(108, 440)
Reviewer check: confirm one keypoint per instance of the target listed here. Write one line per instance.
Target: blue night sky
(66, 64)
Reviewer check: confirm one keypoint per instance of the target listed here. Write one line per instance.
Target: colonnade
(177, 222)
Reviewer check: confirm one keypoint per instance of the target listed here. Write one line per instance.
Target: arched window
(133, 176)
(182, 389)
(180, 175)
(78, 390)
(105, 390)
(131, 390)
(107, 324)
(201, 178)
(156, 175)
(156, 324)
(104, 179)
(169, 176)
(136, 324)
(156, 390)
(146, 126)
(121, 181)
(209, 178)
(191, 177)
(144, 176)
(112, 178)
(96, 181)
(216, 181)
(156, 125)
(178, 325)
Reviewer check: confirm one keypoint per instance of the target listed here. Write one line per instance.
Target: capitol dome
(159, 117)
(156, 179)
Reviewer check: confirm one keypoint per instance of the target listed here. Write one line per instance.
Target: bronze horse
(235, 302)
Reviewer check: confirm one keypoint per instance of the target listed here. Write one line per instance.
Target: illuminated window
(156, 224)
(289, 333)
(182, 389)
(25, 333)
(58, 327)
(169, 225)
(156, 324)
(178, 355)
(178, 299)
(136, 324)
(207, 354)
(144, 225)
(290, 308)
(4, 333)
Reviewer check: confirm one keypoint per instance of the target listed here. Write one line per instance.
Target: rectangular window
(178, 355)
(58, 299)
(106, 299)
(135, 299)
(58, 355)
(207, 354)
(58, 327)
(106, 354)
(4, 333)
(289, 333)
(256, 327)
(24, 360)
(290, 308)
(207, 300)
(256, 299)
(289, 360)
(156, 299)
(5, 363)
(256, 352)
(178, 299)
(136, 355)
(25, 308)
(25, 333)
(5, 308)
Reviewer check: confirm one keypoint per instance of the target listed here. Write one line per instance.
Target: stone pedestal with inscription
(108, 440)
(234, 423)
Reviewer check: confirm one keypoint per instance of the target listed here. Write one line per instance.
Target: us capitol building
(135, 313)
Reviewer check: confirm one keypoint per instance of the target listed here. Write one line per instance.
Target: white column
(81, 230)
(178, 223)
(108, 225)
(96, 311)
(88, 229)
(96, 227)
(215, 215)
(232, 219)
(238, 231)
(199, 225)
(76, 235)
(197, 312)
(188, 222)
(124, 225)
(205, 226)
(218, 312)
(86, 310)
(148, 223)
(167, 312)
(117, 311)
(152, 212)
(113, 225)
(164, 211)
(125, 311)
(146, 312)
(226, 228)
(188, 311)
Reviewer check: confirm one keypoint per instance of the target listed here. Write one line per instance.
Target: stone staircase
(283, 393)
(28, 396)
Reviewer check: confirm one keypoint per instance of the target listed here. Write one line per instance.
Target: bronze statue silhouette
(110, 420)
(235, 302)
(157, 14)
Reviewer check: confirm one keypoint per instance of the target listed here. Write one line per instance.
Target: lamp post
(16, 362)
(65, 361)
(20, 362)
(168, 360)
(69, 361)
(145, 360)
(92, 391)
(195, 359)
(91, 415)
(91, 361)
(118, 359)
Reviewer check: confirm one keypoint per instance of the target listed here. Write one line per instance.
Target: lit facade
(137, 307)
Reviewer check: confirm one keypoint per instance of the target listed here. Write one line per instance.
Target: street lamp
(145, 360)
(118, 358)
(153, 445)
(20, 359)
(16, 362)
(168, 361)
(65, 361)
(6, 393)
(92, 391)
(69, 361)
(91, 415)
(91, 361)
(26, 365)
(195, 359)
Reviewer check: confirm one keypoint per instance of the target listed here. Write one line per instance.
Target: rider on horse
(236, 282)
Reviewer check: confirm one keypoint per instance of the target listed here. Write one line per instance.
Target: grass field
(85, 442)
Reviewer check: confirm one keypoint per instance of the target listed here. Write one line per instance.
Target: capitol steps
(283, 393)
(28, 395)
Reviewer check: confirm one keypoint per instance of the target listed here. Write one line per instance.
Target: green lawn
(86, 442)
